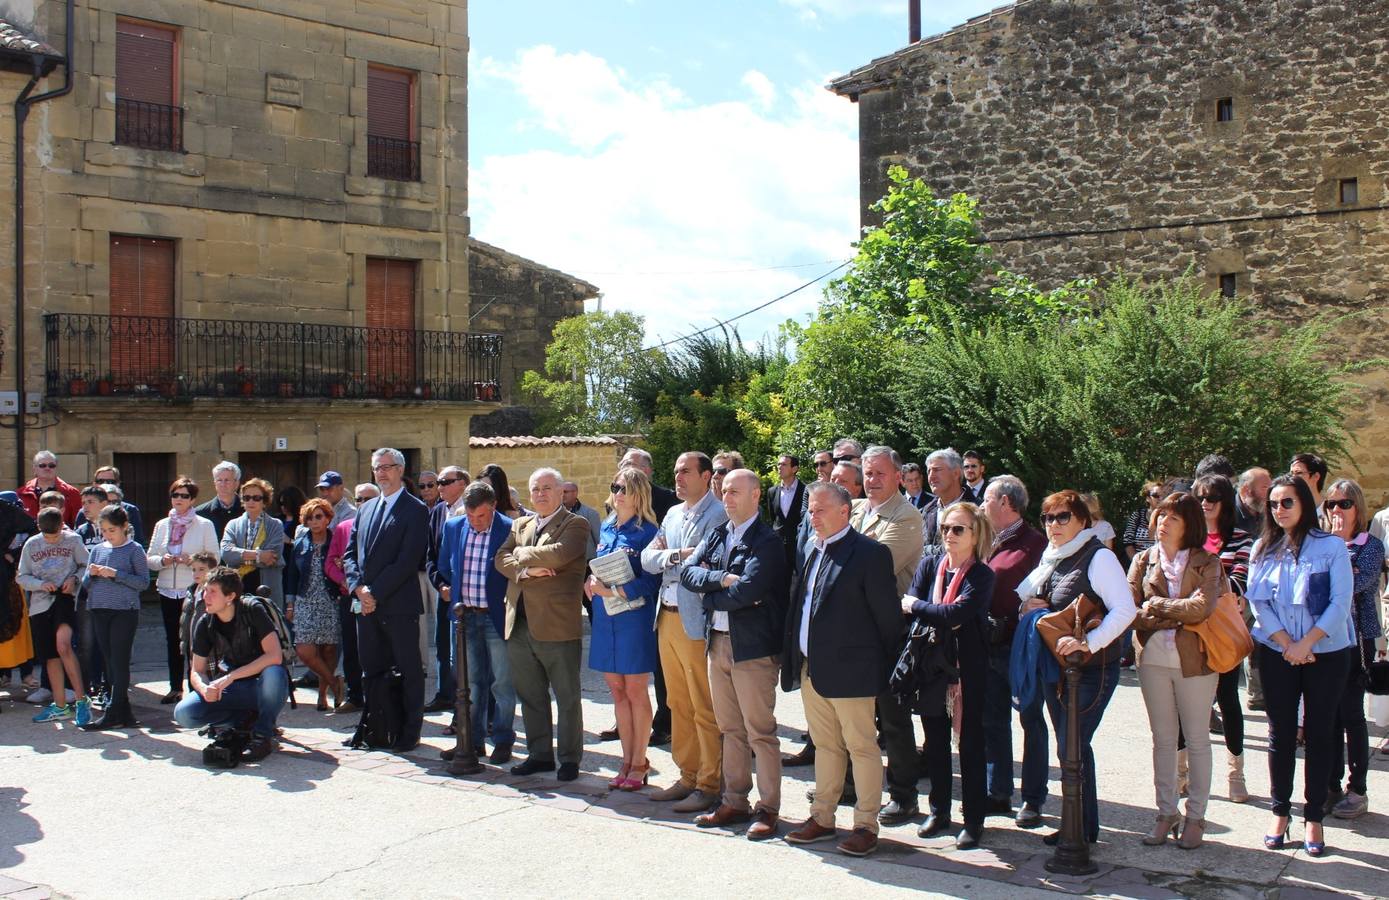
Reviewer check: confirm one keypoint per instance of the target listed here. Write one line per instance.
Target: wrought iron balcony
(147, 356)
(152, 126)
(393, 159)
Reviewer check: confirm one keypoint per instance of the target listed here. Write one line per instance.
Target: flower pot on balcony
(168, 388)
(104, 387)
(248, 388)
(286, 389)
(388, 390)
(337, 390)
(77, 387)
(424, 391)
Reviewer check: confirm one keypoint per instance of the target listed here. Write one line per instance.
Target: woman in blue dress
(623, 643)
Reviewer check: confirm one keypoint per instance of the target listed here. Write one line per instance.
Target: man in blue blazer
(477, 594)
(384, 553)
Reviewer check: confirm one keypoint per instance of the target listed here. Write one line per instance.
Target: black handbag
(1374, 673)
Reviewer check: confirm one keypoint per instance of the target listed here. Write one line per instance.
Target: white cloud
(647, 182)
(840, 9)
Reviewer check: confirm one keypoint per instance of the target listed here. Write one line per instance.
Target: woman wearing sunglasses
(1177, 582)
(1347, 518)
(253, 542)
(175, 540)
(1300, 585)
(952, 591)
(1075, 563)
(311, 601)
(1136, 537)
(623, 642)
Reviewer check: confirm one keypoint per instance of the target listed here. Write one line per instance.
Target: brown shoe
(763, 825)
(860, 842)
(723, 816)
(678, 791)
(811, 832)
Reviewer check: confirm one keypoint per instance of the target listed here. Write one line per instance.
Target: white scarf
(1051, 557)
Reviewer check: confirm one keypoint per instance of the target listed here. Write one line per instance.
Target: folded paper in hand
(613, 569)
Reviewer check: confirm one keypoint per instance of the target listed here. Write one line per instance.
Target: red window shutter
(390, 320)
(145, 63)
(390, 95)
(142, 307)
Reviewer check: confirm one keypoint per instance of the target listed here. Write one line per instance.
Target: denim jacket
(1295, 594)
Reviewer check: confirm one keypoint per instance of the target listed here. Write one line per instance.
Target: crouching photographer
(238, 674)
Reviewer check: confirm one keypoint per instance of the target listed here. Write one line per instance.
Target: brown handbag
(1079, 617)
(1224, 637)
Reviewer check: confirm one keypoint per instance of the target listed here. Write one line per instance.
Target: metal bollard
(1072, 854)
(465, 761)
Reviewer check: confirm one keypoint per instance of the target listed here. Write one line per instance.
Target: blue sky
(675, 153)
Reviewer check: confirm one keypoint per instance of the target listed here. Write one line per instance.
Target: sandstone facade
(1150, 136)
(590, 462)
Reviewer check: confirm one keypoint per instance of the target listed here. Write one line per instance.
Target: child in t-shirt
(117, 571)
(51, 565)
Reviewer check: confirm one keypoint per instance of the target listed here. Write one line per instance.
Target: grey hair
(1010, 488)
(1249, 475)
(848, 442)
(366, 486)
(1355, 494)
(948, 455)
(855, 468)
(46, 456)
(227, 465)
(841, 493)
(542, 472)
(446, 471)
(396, 456)
(425, 472)
(880, 450)
(638, 453)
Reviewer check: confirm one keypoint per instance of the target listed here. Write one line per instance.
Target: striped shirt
(1234, 557)
(132, 576)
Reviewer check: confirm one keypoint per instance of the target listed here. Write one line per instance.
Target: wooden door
(391, 326)
(145, 478)
(281, 470)
(142, 311)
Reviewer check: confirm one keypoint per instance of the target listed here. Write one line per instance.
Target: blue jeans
(998, 724)
(1036, 752)
(489, 673)
(1097, 684)
(264, 695)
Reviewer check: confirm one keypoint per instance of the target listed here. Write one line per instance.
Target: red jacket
(72, 499)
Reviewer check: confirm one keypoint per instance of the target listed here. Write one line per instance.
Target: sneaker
(83, 713)
(53, 712)
(1352, 807)
(40, 695)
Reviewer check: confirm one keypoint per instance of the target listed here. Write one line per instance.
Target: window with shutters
(142, 310)
(393, 151)
(147, 96)
(391, 325)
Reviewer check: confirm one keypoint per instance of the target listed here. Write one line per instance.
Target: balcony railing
(146, 356)
(393, 159)
(152, 126)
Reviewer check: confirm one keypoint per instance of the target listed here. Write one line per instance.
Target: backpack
(383, 716)
(261, 601)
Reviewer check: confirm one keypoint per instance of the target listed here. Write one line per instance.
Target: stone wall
(591, 462)
(524, 300)
(1100, 117)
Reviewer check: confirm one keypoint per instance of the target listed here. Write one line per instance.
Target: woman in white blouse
(176, 538)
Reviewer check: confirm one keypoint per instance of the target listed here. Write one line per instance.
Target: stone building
(1246, 140)
(247, 237)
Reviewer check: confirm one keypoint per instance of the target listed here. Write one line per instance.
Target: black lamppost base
(465, 760)
(1072, 854)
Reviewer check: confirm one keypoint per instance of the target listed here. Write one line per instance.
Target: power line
(749, 312)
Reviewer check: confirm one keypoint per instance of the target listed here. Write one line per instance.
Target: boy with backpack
(238, 671)
(50, 568)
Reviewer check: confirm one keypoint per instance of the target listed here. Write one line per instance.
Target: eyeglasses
(428, 485)
(47, 465)
(318, 515)
(616, 488)
(178, 496)
(445, 482)
(362, 499)
(252, 498)
(956, 530)
(1285, 503)
(1345, 503)
(844, 459)
(971, 465)
(720, 470)
(385, 467)
(1212, 499)
(1060, 518)
(820, 464)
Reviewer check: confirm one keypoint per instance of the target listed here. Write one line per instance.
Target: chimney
(913, 21)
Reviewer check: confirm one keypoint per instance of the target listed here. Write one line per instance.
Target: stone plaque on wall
(284, 90)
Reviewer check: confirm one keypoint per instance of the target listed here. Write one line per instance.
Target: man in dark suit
(945, 478)
(741, 574)
(975, 482)
(914, 483)
(387, 546)
(476, 592)
(452, 481)
(786, 503)
(842, 636)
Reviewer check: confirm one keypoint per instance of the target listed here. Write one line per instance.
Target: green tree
(589, 365)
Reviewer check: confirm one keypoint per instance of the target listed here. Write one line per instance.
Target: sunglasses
(720, 470)
(824, 462)
(1060, 518)
(48, 465)
(1285, 503)
(428, 485)
(362, 499)
(1212, 499)
(844, 459)
(1346, 503)
(616, 488)
(445, 482)
(318, 515)
(956, 530)
(178, 496)
(252, 498)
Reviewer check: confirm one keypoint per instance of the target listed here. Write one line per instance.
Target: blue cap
(11, 498)
(329, 479)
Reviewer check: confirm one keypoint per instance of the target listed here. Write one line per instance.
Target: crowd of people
(883, 591)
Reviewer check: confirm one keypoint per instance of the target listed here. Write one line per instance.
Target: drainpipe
(22, 104)
(913, 21)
